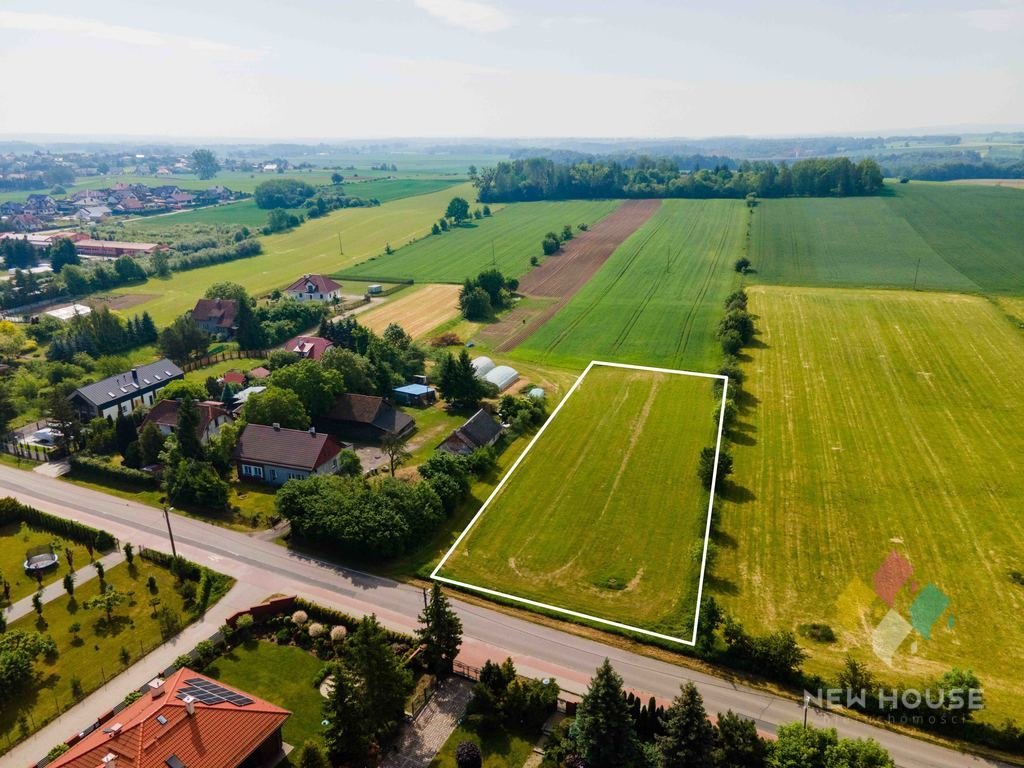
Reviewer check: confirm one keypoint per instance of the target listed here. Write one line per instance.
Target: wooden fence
(220, 357)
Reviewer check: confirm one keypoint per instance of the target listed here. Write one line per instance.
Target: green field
(603, 513)
(15, 540)
(247, 213)
(658, 299)
(515, 233)
(884, 421)
(948, 237)
(313, 247)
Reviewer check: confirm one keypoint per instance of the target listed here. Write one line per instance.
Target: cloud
(79, 27)
(468, 14)
(1008, 18)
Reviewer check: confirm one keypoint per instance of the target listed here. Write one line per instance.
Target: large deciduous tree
(205, 164)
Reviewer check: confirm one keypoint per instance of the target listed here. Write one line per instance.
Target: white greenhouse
(483, 366)
(502, 377)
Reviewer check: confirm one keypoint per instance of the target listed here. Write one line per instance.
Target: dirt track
(554, 282)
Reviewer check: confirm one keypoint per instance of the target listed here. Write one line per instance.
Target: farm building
(111, 249)
(124, 392)
(414, 394)
(365, 418)
(502, 377)
(275, 455)
(482, 366)
(216, 316)
(66, 313)
(314, 288)
(212, 416)
(243, 397)
(481, 430)
(186, 720)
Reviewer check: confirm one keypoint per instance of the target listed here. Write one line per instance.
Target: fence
(31, 451)
(220, 357)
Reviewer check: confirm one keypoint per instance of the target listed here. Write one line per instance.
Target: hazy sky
(336, 69)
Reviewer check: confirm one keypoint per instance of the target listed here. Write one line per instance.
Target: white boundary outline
(566, 611)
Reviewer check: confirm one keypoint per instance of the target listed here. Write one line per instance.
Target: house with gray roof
(479, 431)
(274, 455)
(124, 392)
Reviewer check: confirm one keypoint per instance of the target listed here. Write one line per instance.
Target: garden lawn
(505, 240)
(500, 748)
(243, 364)
(96, 658)
(879, 422)
(282, 675)
(658, 299)
(605, 512)
(310, 248)
(15, 540)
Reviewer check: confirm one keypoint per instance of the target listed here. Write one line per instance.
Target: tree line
(543, 179)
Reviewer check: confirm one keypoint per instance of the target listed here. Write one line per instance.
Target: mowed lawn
(943, 236)
(15, 541)
(884, 421)
(603, 513)
(658, 299)
(311, 248)
(507, 240)
(282, 675)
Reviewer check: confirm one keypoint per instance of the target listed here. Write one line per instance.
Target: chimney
(190, 705)
(109, 761)
(277, 426)
(135, 376)
(312, 431)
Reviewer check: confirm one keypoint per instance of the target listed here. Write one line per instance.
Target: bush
(282, 193)
(316, 629)
(822, 633)
(338, 634)
(446, 340)
(550, 244)
(742, 265)
(105, 470)
(300, 618)
(283, 636)
(467, 755)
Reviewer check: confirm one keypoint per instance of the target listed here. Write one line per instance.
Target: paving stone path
(423, 737)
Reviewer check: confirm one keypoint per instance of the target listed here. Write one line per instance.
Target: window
(126, 408)
(252, 470)
(273, 474)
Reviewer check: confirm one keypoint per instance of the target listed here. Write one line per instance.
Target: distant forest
(544, 179)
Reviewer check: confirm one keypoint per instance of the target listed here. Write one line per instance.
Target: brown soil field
(126, 301)
(418, 311)
(560, 276)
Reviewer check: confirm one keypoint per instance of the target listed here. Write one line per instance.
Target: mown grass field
(247, 213)
(884, 421)
(658, 299)
(604, 511)
(515, 232)
(282, 675)
(15, 540)
(313, 247)
(947, 237)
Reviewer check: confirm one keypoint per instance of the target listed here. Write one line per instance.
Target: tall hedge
(95, 466)
(13, 511)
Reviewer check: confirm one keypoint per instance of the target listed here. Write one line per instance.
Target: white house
(314, 288)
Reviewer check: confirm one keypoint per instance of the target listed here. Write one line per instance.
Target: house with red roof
(216, 316)
(314, 288)
(186, 721)
(212, 416)
(308, 347)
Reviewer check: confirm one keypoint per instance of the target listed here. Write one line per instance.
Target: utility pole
(494, 261)
(341, 251)
(167, 518)
(916, 271)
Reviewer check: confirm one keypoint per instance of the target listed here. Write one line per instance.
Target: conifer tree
(441, 634)
(689, 738)
(603, 732)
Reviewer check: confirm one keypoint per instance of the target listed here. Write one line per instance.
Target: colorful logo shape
(927, 608)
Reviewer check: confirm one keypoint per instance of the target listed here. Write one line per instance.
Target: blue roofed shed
(414, 394)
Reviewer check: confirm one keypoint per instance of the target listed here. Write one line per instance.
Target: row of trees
(543, 179)
(101, 332)
(604, 735)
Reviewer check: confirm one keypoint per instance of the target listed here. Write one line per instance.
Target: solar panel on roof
(210, 692)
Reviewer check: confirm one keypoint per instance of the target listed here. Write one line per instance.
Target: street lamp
(807, 705)
(167, 518)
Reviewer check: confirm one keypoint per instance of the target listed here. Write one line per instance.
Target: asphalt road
(537, 650)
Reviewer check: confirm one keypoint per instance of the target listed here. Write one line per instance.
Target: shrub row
(12, 511)
(330, 616)
(97, 466)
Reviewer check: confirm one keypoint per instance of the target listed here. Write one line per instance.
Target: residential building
(274, 455)
(308, 347)
(479, 431)
(186, 721)
(92, 213)
(124, 392)
(365, 418)
(216, 316)
(242, 398)
(314, 288)
(212, 416)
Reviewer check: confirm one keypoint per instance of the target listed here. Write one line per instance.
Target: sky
(334, 69)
